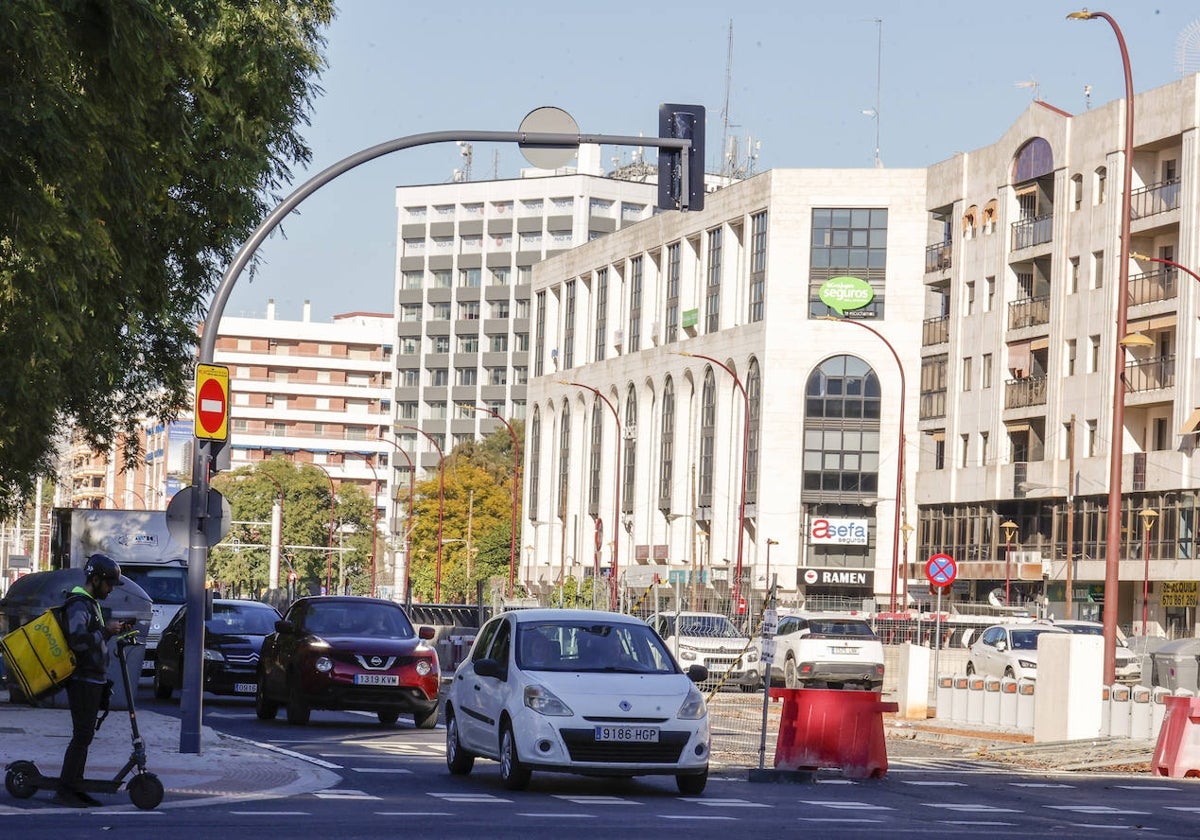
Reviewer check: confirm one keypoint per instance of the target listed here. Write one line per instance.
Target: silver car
(1008, 650)
(1129, 665)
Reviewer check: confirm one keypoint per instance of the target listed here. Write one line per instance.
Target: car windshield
(1090, 630)
(166, 585)
(591, 646)
(707, 626)
(344, 618)
(1026, 639)
(235, 619)
(839, 629)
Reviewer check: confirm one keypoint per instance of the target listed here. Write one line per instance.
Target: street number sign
(941, 570)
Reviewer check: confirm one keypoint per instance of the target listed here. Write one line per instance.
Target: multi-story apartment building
(705, 334)
(1019, 353)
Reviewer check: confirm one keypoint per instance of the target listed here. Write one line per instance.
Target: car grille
(583, 747)
(722, 661)
(241, 657)
(375, 663)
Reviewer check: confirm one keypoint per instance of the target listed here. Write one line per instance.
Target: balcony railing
(1020, 393)
(933, 404)
(1153, 286)
(935, 331)
(1151, 374)
(1155, 198)
(1028, 312)
(1029, 232)
(937, 257)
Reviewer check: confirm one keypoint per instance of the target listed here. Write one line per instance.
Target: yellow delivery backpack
(37, 655)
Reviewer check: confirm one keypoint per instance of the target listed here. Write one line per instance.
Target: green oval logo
(843, 293)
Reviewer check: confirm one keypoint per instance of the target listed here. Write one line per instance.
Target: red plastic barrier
(821, 727)
(1177, 753)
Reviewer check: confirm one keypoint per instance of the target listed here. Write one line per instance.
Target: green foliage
(140, 143)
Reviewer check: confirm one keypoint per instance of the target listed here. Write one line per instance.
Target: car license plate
(628, 734)
(245, 688)
(845, 651)
(376, 679)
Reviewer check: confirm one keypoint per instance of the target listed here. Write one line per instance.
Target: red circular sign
(941, 570)
(210, 406)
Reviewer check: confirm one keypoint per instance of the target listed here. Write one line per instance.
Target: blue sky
(802, 75)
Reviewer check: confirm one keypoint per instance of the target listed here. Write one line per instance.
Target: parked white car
(1128, 664)
(711, 640)
(827, 650)
(1008, 650)
(576, 691)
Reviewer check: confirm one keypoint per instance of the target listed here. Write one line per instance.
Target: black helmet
(103, 567)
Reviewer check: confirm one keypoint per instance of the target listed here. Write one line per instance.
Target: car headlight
(545, 702)
(1025, 663)
(213, 655)
(424, 666)
(687, 654)
(693, 707)
(323, 664)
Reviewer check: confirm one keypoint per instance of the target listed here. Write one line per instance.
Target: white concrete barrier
(1008, 703)
(1120, 719)
(945, 696)
(1105, 710)
(912, 690)
(958, 709)
(975, 699)
(991, 701)
(1026, 699)
(1141, 720)
(1069, 700)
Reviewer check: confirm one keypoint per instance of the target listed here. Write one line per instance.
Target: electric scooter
(23, 779)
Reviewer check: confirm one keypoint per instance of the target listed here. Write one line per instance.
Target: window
(754, 398)
(708, 429)
(1101, 185)
(939, 453)
(469, 278)
(439, 377)
(498, 343)
(406, 410)
(540, 333)
(412, 279)
(1090, 443)
(468, 344)
(984, 455)
(441, 278)
(969, 303)
(500, 309)
(569, 327)
(989, 302)
(629, 456)
(535, 450)
(501, 276)
(522, 342)
(1069, 357)
(564, 459)
(712, 295)
(1076, 192)
(520, 375)
(411, 313)
(634, 340)
(601, 315)
(758, 265)
(848, 241)
(666, 458)
(596, 457)
(1093, 359)
(1097, 269)
(466, 376)
(986, 372)
(1073, 276)
(497, 376)
(964, 450)
(410, 346)
(409, 377)
(966, 373)
(841, 428)
(441, 311)
(468, 310)
(441, 344)
(524, 275)
(672, 326)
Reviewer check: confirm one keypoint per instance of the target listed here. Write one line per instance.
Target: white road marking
(1041, 785)
(469, 797)
(694, 817)
(1096, 809)
(343, 793)
(271, 813)
(920, 783)
(977, 822)
(596, 800)
(556, 815)
(724, 803)
(972, 806)
(848, 806)
(397, 770)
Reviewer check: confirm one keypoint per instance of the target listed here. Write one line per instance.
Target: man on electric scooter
(87, 635)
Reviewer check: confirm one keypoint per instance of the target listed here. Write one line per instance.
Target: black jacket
(86, 636)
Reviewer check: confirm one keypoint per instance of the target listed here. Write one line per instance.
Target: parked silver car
(1008, 650)
(1129, 665)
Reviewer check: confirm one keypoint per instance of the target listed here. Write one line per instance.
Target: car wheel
(427, 720)
(513, 775)
(789, 673)
(458, 760)
(162, 688)
(297, 707)
(265, 708)
(970, 669)
(388, 717)
(692, 785)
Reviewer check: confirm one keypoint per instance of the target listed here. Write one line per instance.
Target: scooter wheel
(18, 781)
(145, 791)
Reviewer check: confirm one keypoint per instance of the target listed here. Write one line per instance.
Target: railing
(1153, 286)
(1151, 374)
(935, 331)
(1035, 231)
(1028, 312)
(1019, 393)
(937, 257)
(1155, 198)
(933, 404)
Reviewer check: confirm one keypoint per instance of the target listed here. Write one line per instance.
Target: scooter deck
(42, 782)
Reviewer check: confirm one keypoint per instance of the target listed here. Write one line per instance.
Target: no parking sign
(941, 570)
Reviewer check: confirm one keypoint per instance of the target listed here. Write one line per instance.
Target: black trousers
(85, 698)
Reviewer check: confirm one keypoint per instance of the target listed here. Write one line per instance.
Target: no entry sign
(212, 402)
(941, 570)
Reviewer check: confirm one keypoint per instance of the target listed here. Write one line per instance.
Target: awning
(1192, 424)
(1016, 428)
(941, 433)
(1018, 356)
(1039, 343)
(1159, 322)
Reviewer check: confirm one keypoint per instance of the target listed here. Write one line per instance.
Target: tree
(140, 141)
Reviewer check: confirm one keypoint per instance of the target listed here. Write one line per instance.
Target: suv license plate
(245, 688)
(376, 679)
(628, 734)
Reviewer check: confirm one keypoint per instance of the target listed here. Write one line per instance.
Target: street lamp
(1112, 563)
(1148, 516)
(1164, 261)
(741, 522)
(770, 542)
(516, 492)
(906, 532)
(1009, 528)
(408, 519)
(332, 522)
(899, 447)
(617, 487)
(1071, 492)
(374, 513)
(437, 578)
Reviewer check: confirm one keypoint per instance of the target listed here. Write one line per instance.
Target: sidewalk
(226, 769)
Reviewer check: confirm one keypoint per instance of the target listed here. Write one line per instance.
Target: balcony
(1028, 312)
(1150, 374)
(933, 404)
(935, 331)
(1022, 393)
(937, 257)
(1033, 231)
(1155, 198)
(1153, 286)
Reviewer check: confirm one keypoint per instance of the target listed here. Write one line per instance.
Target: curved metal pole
(516, 493)
(374, 515)
(408, 520)
(899, 453)
(437, 579)
(613, 585)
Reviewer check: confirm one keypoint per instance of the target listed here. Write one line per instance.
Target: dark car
(348, 652)
(233, 638)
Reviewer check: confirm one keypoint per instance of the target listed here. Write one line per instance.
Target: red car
(348, 652)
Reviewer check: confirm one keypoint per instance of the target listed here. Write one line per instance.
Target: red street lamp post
(374, 514)
(1009, 528)
(437, 578)
(1148, 517)
(516, 493)
(1165, 261)
(613, 586)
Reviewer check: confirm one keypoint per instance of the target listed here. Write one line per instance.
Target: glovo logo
(51, 640)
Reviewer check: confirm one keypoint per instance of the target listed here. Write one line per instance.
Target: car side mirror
(1001, 646)
(284, 626)
(426, 632)
(490, 668)
(697, 673)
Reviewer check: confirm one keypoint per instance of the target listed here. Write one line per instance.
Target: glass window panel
(860, 218)
(840, 218)
(879, 217)
(820, 258)
(841, 238)
(859, 238)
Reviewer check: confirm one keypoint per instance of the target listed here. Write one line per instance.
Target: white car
(1008, 650)
(576, 691)
(711, 640)
(829, 650)
(1128, 664)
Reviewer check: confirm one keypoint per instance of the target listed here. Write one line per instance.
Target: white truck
(141, 543)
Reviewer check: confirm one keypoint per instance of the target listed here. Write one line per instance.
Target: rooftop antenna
(1031, 83)
(464, 174)
(873, 113)
(727, 165)
(1187, 49)
(1087, 97)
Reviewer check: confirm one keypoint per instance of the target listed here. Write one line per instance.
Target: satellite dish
(1187, 50)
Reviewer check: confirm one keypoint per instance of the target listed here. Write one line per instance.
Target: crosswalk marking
(1041, 785)
(343, 793)
(715, 802)
(1096, 809)
(596, 800)
(972, 806)
(396, 770)
(931, 783)
(469, 797)
(848, 806)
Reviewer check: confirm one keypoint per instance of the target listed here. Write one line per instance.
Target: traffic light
(682, 122)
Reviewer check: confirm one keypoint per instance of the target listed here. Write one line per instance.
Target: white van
(711, 640)
(827, 650)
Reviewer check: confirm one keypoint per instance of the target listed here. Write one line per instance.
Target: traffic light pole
(193, 688)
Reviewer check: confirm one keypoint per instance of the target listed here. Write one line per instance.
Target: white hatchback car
(1008, 650)
(576, 691)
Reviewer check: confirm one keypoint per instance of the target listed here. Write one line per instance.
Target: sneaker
(68, 799)
(90, 801)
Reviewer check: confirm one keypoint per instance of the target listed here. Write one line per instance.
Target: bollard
(958, 708)
(945, 697)
(991, 701)
(1177, 752)
(1105, 710)
(975, 700)
(1141, 721)
(1025, 705)
(821, 727)
(1008, 703)
(1120, 719)
(1158, 708)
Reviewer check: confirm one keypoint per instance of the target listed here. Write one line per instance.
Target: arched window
(666, 457)
(1101, 184)
(754, 396)
(841, 430)
(597, 446)
(629, 456)
(564, 458)
(708, 429)
(535, 461)
(989, 217)
(1076, 191)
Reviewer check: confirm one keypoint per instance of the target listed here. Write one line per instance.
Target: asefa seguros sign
(822, 531)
